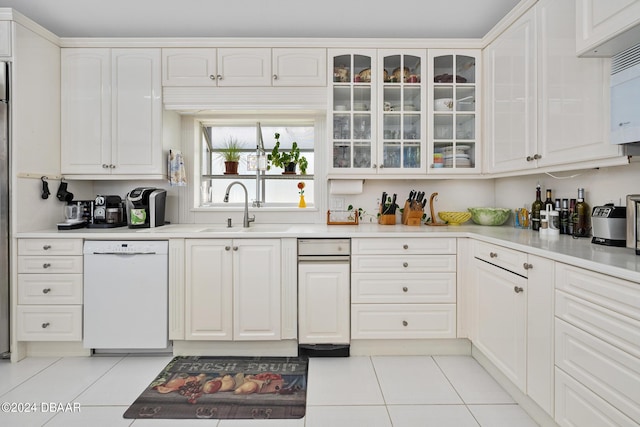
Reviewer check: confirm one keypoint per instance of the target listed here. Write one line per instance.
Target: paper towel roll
(346, 186)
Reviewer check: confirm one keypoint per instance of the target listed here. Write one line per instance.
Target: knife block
(386, 219)
(411, 216)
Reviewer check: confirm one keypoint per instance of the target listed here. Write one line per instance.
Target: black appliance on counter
(107, 212)
(146, 207)
(609, 224)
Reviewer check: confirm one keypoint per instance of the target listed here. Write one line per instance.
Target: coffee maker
(146, 207)
(108, 212)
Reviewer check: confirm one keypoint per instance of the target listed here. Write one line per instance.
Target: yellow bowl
(455, 218)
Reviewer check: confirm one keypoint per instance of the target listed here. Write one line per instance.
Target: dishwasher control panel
(125, 247)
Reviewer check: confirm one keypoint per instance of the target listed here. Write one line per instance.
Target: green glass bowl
(489, 216)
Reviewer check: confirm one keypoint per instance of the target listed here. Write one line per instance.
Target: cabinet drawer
(400, 245)
(50, 247)
(608, 371)
(49, 264)
(50, 323)
(400, 321)
(403, 288)
(577, 406)
(50, 289)
(403, 264)
(614, 328)
(618, 295)
(502, 257)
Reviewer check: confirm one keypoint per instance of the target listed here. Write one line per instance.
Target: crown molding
(508, 20)
(8, 14)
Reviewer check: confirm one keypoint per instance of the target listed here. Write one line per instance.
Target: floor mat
(226, 388)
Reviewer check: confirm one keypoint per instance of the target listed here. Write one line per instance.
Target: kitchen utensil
(62, 194)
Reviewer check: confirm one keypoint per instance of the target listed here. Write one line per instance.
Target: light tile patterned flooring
(377, 391)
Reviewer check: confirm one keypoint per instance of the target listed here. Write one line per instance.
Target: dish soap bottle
(536, 207)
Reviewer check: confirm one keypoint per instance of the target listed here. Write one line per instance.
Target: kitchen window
(276, 189)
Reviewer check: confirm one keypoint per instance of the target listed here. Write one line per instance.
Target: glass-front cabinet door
(352, 108)
(454, 99)
(401, 127)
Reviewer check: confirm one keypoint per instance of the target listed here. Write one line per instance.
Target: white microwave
(625, 96)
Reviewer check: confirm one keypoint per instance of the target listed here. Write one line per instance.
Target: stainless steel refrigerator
(4, 208)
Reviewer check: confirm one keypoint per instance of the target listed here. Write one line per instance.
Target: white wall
(605, 185)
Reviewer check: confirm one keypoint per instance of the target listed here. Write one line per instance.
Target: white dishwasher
(126, 294)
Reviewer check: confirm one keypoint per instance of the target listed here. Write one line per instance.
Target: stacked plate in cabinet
(457, 156)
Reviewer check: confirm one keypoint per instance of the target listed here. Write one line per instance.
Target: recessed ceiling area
(266, 18)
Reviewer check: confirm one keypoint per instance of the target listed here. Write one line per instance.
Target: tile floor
(378, 391)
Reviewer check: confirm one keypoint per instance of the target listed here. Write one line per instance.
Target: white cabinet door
(189, 67)
(256, 289)
(299, 67)
(244, 67)
(323, 303)
(600, 21)
(573, 92)
(208, 290)
(500, 310)
(136, 111)
(540, 356)
(5, 38)
(511, 97)
(86, 111)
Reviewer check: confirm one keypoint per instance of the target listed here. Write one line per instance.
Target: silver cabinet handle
(46, 265)
(405, 323)
(45, 325)
(527, 266)
(529, 159)
(46, 247)
(235, 248)
(275, 77)
(405, 246)
(405, 264)
(227, 248)
(537, 157)
(373, 166)
(112, 166)
(105, 166)
(405, 289)
(517, 289)
(493, 255)
(212, 77)
(219, 77)
(46, 290)
(623, 123)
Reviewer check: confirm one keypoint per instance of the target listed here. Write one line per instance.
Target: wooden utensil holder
(411, 216)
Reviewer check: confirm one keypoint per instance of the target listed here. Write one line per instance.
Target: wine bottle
(582, 224)
(549, 201)
(536, 207)
(572, 213)
(564, 217)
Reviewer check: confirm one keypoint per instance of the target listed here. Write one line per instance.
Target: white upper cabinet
(606, 27)
(545, 106)
(111, 112)
(5, 38)
(238, 67)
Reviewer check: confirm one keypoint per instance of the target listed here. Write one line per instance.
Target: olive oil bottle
(582, 217)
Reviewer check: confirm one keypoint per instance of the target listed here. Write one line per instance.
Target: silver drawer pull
(235, 248)
(405, 289)
(527, 266)
(493, 255)
(517, 289)
(405, 264)
(45, 325)
(46, 247)
(405, 323)
(212, 77)
(46, 265)
(46, 290)
(405, 246)
(227, 248)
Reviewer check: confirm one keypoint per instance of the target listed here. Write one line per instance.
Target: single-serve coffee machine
(108, 212)
(146, 207)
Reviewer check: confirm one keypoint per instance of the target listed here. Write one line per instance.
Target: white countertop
(619, 262)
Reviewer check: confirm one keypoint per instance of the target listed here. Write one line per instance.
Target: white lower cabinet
(323, 303)
(512, 318)
(403, 288)
(49, 290)
(597, 351)
(232, 289)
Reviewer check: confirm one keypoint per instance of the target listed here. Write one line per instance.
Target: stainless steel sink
(254, 228)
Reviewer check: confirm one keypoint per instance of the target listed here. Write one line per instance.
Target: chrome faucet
(246, 220)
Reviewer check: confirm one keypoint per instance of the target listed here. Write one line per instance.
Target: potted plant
(287, 160)
(230, 153)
